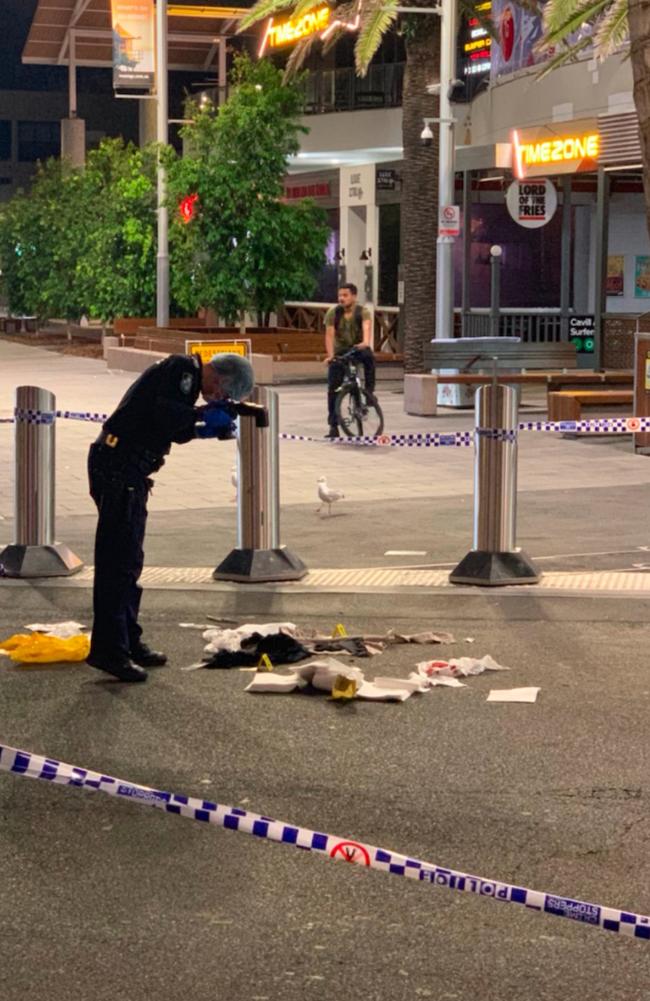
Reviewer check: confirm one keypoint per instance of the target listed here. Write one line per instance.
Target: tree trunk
(420, 189)
(639, 18)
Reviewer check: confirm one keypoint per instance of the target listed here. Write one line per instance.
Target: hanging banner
(518, 30)
(133, 43)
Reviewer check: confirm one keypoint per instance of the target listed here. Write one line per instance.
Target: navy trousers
(121, 495)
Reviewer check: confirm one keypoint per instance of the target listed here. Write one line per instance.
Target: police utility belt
(129, 455)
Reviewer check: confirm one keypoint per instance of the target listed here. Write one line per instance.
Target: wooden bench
(567, 405)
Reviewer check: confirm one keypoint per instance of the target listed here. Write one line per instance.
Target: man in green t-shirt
(347, 326)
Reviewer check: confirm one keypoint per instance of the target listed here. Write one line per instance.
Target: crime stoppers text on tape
(35, 766)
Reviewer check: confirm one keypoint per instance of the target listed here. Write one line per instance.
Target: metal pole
(494, 558)
(495, 290)
(445, 244)
(259, 556)
(467, 252)
(34, 552)
(565, 278)
(222, 82)
(600, 282)
(162, 115)
(72, 74)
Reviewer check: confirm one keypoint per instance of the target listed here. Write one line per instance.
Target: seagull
(235, 481)
(327, 496)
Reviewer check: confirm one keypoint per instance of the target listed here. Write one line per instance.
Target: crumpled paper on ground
(231, 639)
(322, 674)
(61, 629)
(459, 667)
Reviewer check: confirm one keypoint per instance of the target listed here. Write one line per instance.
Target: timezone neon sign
(292, 30)
(541, 156)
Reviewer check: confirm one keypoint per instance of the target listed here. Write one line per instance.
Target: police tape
(434, 439)
(35, 766)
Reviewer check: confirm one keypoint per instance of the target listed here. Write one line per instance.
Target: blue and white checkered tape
(231, 818)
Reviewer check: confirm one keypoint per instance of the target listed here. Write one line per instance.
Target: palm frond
(298, 55)
(262, 9)
(566, 55)
(304, 6)
(612, 30)
(563, 17)
(375, 22)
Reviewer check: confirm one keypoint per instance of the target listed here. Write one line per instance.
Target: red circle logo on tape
(632, 423)
(383, 439)
(350, 851)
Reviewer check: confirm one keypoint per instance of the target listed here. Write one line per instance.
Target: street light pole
(162, 114)
(445, 244)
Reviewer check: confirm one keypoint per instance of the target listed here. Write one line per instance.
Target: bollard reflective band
(234, 819)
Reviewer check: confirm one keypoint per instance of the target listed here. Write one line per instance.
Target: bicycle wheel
(358, 414)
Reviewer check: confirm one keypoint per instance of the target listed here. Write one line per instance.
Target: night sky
(17, 17)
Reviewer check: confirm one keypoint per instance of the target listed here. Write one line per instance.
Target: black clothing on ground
(279, 648)
(336, 373)
(157, 410)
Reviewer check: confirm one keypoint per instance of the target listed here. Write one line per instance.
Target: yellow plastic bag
(38, 648)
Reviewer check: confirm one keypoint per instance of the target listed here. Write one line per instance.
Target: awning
(194, 33)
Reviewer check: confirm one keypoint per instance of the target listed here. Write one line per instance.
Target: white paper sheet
(513, 695)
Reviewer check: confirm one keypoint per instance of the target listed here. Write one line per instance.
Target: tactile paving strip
(393, 578)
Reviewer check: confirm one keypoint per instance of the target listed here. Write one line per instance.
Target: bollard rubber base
(250, 566)
(56, 560)
(495, 569)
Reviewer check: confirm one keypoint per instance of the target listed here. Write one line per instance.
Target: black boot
(146, 657)
(333, 432)
(120, 667)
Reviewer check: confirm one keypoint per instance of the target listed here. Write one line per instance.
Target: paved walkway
(197, 476)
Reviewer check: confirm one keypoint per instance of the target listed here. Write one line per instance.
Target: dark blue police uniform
(156, 411)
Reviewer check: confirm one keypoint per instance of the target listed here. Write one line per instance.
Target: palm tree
(420, 173)
(573, 25)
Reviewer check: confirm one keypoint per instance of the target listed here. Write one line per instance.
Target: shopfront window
(531, 261)
(38, 141)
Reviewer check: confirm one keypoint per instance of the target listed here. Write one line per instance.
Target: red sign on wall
(320, 190)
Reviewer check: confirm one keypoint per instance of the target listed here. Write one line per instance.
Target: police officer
(157, 410)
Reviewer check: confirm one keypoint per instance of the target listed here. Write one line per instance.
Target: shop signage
(582, 333)
(532, 203)
(357, 185)
(320, 189)
(475, 41)
(207, 349)
(133, 43)
(386, 179)
(280, 33)
(449, 220)
(557, 155)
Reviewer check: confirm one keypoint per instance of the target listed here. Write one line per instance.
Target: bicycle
(357, 410)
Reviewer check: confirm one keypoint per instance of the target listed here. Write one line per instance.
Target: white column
(445, 244)
(162, 258)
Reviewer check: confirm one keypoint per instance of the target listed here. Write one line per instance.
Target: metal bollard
(34, 553)
(495, 558)
(259, 556)
(495, 289)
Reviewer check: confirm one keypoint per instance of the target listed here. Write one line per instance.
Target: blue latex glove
(216, 422)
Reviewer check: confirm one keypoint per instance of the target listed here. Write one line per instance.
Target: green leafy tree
(244, 249)
(116, 273)
(420, 170)
(39, 245)
(83, 240)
